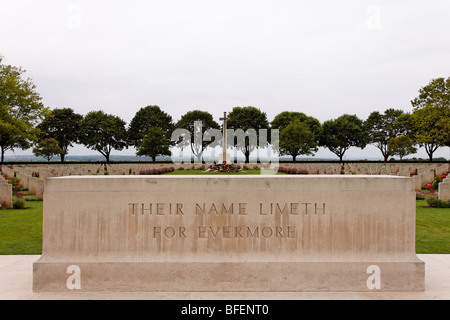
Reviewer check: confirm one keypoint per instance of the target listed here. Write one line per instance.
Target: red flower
(443, 176)
(16, 184)
(428, 186)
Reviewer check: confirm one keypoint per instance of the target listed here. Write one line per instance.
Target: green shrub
(431, 200)
(420, 196)
(19, 203)
(442, 204)
(436, 181)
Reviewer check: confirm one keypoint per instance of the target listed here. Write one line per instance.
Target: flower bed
(224, 168)
(157, 171)
(292, 170)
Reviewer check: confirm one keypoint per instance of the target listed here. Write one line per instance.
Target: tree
(338, 135)
(154, 143)
(381, 128)
(187, 121)
(20, 109)
(432, 127)
(63, 125)
(145, 118)
(283, 119)
(246, 119)
(401, 146)
(47, 148)
(430, 118)
(436, 93)
(103, 132)
(297, 139)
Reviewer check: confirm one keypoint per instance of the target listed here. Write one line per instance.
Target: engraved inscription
(272, 209)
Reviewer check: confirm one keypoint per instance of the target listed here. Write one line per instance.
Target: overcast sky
(323, 58)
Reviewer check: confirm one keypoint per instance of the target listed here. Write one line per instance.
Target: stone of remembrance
(229, 233)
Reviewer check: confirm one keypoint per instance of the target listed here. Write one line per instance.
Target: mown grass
(21, 229)
(432, 229)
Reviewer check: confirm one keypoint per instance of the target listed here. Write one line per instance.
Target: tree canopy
(20, 109)
(145, 118)
(103, 132)
(25, 121)
(188, 122)
(154, 143)
(338, 135)
(63, 125)
(382, 127)
(435, 94)
(283, 119)
(47, 148)
(431, 115)
(401, 146)
(297, 139)
(432, 127)
(246, 119)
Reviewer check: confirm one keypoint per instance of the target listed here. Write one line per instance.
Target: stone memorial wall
(229, 233)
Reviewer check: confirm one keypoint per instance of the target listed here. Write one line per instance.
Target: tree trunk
(154, 159)
(247, 157)
(62, 157)
(3, 155)
(429, 150)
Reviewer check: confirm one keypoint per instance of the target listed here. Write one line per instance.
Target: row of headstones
(32, 176)
(426, 171)
(423, 173)
(34, 185)
(444, 189)
(5, 193)
(405, 169)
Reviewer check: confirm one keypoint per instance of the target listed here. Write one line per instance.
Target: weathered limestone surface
(5, 193)
(229, 233)
(444, 190)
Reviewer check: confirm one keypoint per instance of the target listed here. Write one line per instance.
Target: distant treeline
(26, 123)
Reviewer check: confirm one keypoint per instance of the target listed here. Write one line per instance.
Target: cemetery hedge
(21, 229)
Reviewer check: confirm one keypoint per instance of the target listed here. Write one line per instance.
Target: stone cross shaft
(224, 136)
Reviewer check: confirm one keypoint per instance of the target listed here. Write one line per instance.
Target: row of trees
(25, 122)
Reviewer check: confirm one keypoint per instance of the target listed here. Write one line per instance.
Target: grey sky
(323, 58)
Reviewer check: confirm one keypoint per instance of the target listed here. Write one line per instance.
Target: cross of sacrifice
(224, 137)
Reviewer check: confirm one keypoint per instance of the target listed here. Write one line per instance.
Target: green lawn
(21, 229)
(432, 229)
